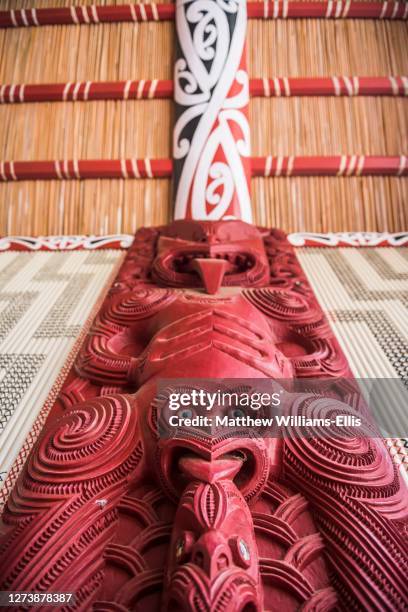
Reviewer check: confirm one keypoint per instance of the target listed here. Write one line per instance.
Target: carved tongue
(211, 271)
(197, 468)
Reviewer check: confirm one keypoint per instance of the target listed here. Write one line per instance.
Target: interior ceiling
(140, 129)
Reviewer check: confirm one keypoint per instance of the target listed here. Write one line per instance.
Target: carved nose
(211, 271)
(198, 468)
(211, 554)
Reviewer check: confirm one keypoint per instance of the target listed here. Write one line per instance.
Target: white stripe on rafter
(266, 9)
(329, 9)
(123, 168)
(384, 9)
(266, 87)
(394, 85)
(339, 6)
(395, 10)
(155, 12)
(336, 85)
(152, 89)
(85, 15)
(74, 15)
(279, 164)
(140, 86)
(402, 164)
(76, 90)
(135, 170)
(127, 89)
(343, 165)
(148, 168)
(351, 165)
(349, 85)
(94, 13)
(143, 14)
(86, 89)
(11, 93)
(346, 9)
(76, 168)
(58, 170)
(34, 17)
(12, 172)
(13, 18)
(133, 12)
(66, 90)
(24, 17)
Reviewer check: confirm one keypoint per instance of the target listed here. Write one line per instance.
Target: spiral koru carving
(64, 507)
(360, 507)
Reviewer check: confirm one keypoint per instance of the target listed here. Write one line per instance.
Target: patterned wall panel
(45, 301)
(364, 292)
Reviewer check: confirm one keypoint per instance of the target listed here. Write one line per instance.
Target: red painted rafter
(274, 166)
(332, 9)
(334, 165)
(144, 89)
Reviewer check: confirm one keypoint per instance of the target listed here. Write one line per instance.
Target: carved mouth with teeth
(244, 461)
(189, 266)
(237, 263)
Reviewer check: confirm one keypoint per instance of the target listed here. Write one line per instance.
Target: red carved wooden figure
(131, 520)
(196, 520)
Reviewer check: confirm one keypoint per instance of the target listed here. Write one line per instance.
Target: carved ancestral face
(213, 560)
(198, 253)
(212, 557)
(170, 449)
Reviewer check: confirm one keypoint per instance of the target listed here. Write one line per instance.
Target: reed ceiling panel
(296, 204)
(82, 207)
(105, 52)
(321, 204)
(325, 47)
(280, 126)
(329, 126)
(86, 130)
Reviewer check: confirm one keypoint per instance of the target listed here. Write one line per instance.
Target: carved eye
(240, 551)
(183, 547)
(186, 413)
(237, 412)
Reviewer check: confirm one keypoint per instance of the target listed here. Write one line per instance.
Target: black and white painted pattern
(45, 299)
(211, 138)
(364, 292)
